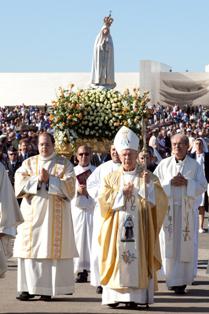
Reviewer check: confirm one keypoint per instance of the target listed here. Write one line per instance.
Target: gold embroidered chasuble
(47, 231)
(150, 218)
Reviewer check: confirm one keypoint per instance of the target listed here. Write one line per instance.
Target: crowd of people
(125, 220)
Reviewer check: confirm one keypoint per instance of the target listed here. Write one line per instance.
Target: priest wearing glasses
(183, 181)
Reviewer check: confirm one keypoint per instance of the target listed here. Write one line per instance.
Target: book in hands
(82, 177)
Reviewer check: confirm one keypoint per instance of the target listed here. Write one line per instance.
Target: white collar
(47, 158)
(130, 172)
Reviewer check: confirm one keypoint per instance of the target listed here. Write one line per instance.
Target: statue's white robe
(45, 244)
(103, 61)
(82, 214)
(177, 234)
(94, 184)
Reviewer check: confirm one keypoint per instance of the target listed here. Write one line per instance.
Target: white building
(40, 88)
(165, 86)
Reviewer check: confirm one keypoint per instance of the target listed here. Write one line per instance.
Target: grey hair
(184, 138)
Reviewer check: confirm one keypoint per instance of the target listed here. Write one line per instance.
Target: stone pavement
(85, 300)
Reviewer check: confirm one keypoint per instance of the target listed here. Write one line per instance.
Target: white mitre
(126, 139)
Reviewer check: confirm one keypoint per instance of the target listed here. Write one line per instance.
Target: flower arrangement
(96, 113)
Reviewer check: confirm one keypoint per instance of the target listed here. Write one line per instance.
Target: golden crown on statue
(108, 20)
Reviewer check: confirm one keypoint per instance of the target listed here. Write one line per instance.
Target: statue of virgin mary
(102, 74)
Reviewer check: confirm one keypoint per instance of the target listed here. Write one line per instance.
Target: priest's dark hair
(44, 133)
(12, 149)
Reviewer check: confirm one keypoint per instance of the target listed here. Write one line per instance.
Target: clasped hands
(179, 180)
(128, 188)
(82, 190)
(43, 176)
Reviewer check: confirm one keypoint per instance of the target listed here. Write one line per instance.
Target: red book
(82, 177)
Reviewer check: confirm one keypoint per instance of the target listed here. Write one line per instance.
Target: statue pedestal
(103, 86)
(68, 149)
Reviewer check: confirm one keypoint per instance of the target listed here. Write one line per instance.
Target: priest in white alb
(45, 244)
(82, 213)
(130, 254)
(183, 181)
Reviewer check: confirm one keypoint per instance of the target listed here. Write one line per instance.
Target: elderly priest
(183, 181)
(130, 254)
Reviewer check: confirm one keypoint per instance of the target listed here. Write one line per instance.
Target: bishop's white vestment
(45, 244)
(82, 214)
(94, 184)
(177, 234)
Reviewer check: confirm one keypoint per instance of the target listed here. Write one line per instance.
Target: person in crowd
(183, 181)
(11, 138)
(94, 183)
(164, 143)
(82, 213)
(3, 155)
(13, 163)
(201, 154)
(45, 244)
(33, 143)
(130, 255)
(154, 141)
(150, 159)
(24, 152)
(191, 138)
(10, 217)
(99, 158)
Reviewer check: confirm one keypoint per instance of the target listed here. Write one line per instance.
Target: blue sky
(58, 35)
